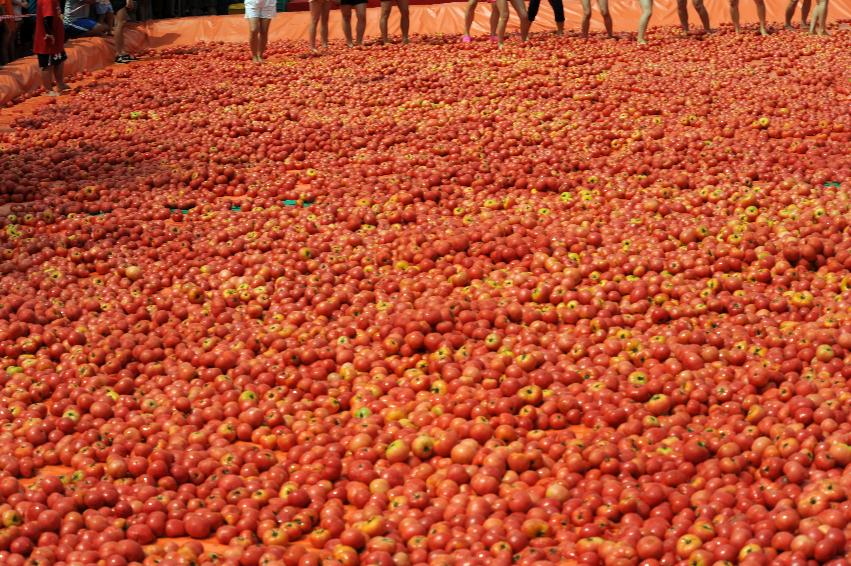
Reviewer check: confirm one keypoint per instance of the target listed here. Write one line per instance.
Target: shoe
(122, 59)
(466, 39)
(131, 57)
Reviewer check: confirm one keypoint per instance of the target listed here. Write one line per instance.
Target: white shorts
(260, 9)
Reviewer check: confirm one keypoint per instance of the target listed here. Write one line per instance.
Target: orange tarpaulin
(89, 54)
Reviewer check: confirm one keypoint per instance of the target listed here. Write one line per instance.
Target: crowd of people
(17, 19)
(53, 23)
(260, 12)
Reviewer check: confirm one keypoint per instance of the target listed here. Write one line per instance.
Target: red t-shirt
(46, 8)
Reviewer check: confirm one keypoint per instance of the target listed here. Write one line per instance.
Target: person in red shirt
(49, 45)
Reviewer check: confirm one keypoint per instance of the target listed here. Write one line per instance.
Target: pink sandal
(466, 38)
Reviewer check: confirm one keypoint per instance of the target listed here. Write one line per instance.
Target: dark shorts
(118, 5)
(48, 61)
(351, 2)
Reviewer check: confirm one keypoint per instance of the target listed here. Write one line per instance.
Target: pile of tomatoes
(569, 302)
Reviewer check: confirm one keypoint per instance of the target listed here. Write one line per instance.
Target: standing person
(48, 45)
(121, 8)
(790, 13)
(470, 14)
(558, 12)
(760, 12)
(346, 13)
(404, 17)
(319, 10)
(259, 14)
(604, 11)
(818, 22)
(105, 13)
(646, 13)
(682, 10)
(520, 8)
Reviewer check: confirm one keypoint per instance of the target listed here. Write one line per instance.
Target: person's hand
(48, 37)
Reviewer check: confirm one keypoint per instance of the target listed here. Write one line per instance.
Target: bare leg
(790, 13)
(386, 6)
(47, 80)
(646, 13)
(818, 20)
(586, 17)
(264, 36)
(502, 8)
(607, 17)
(494, 20)
(120, 22)
(704, 15)
(59, 77)
(254, 38)
(760, 12)
(682, 12)
(323, 29)
(520, 8)
(734, 14)
(346, 15)
(316, 7)
(805, 11)
(404, 19)
(360, 10)
(469, 15)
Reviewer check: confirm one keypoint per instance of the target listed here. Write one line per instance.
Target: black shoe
(122, 59)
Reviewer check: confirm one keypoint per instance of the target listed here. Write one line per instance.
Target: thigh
(345, 10)
(360, 9)
(604, 5)
(403, 5)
